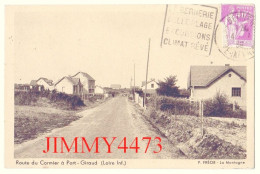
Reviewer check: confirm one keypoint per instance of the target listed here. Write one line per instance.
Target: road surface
(115, 118)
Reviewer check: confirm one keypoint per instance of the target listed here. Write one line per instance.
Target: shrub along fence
(217, 106)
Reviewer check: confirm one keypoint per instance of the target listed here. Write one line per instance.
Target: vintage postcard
(129, 86)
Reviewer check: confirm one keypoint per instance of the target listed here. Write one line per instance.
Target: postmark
(238, 21)
(234, 35)
(189, 28)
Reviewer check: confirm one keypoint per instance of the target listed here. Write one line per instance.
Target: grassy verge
(223, 139)
(31, 121)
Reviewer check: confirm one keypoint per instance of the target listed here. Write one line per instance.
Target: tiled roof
(115, 86)
(152, 80)
(49, 82)
(74, 81)
(205, 75)
(33, 82)
(85, 75)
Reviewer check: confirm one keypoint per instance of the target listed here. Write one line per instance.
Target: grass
(31, 121)
(42, 116)
(223, 138)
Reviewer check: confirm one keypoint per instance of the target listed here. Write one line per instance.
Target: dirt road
(114, 118)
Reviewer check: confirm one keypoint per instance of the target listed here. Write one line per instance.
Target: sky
(103, 41)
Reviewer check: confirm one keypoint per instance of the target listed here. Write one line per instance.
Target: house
(70, 85)
(99, 90)
(115, 86)
(88, 83)
(22, 87)
(152, 85)
(205, 81)
(42, 83)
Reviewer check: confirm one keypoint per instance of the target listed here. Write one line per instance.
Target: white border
(150, 171)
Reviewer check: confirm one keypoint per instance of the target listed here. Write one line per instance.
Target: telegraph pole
(147, 73)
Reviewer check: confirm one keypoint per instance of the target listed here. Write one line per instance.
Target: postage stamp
(234, 33)
(239, 24)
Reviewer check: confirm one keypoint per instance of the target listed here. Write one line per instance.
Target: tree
(168, 87)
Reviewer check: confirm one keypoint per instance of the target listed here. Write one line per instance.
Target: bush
(217, 106)
(30, 97)
(220, 106)
(25, 98)
(177, 106)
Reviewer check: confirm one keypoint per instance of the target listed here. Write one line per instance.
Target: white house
(205, 81)
(69, 85)
(87, 81)
(115, 86)
(152, 85)
(99, 90)
(43, 82)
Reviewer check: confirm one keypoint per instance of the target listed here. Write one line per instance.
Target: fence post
(201, 115)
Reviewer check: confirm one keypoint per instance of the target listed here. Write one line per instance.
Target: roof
(85, 75)
(19, 85)
(203, 76)
(49, 82)
(72, 80)
(115, 86)
(97, 86)
(33, 82)
(152, 80)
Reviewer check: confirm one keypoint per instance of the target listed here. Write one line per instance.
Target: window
(236, 92)
(152, 85)
(75, 89)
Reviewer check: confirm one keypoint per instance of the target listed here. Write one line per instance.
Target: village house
(22, 87)
(115, 86)
(88, 83)
(70, 85)
(42, 84)
(99, 90)
(152, 85)
(205, 82)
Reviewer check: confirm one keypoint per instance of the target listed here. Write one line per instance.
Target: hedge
(30, 97)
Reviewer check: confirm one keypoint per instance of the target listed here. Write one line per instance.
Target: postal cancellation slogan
(129, 86)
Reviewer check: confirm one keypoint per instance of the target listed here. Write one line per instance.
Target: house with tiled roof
(205, 81)
(152, 85)
(115, 86)
(42, 82)
(88, 83)
(69, 85)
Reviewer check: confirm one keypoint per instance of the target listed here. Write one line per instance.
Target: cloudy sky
(104, 41)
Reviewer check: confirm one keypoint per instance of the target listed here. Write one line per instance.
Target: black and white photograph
(120, 86)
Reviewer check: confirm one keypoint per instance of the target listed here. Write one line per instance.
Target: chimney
(227, 64)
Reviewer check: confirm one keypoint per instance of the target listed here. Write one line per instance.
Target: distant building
(99, 90)
(115, 86)
(42, 82)
(22, 87)
(70, 85)
(152, 85)
(88, 83)
(205, 81)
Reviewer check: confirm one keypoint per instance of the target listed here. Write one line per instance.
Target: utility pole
(146, 73)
